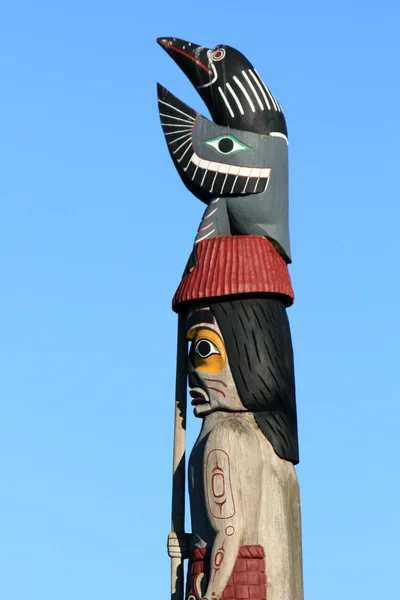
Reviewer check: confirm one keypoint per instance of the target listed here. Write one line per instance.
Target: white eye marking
(204, 348)
(226, 145)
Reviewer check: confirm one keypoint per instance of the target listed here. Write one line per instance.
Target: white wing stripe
(186, 135)
(181, 146)
(240, 84)
(276, 102)
(190, 160)
(251, 86)
(268, 92)
(261, 90)
(204, 236)
(240, 107)
(174, 125)
(176, 118)
(179, 131)
(177, 110)
(225, 99)
(210, 214)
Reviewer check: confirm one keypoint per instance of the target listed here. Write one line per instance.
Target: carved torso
(234, 464)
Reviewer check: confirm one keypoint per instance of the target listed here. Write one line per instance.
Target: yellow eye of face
(207, 352)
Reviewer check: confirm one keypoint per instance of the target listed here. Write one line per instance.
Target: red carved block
(242, 591)
(241, 577)
(247, 582)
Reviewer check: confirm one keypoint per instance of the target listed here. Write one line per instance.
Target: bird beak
(191, 58)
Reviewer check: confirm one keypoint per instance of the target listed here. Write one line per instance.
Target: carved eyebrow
(196, 317)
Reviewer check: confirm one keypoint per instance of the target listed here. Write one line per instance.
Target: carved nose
(194, 380)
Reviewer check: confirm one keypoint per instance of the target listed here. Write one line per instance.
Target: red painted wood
(248, 580)
(230, 265)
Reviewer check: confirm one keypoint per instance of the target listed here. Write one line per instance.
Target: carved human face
(210, 377)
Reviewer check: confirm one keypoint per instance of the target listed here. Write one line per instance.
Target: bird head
(226, 81)
(242, 152)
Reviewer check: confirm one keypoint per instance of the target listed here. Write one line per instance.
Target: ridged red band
(230, 265)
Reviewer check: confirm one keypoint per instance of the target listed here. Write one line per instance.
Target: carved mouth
(199, 397)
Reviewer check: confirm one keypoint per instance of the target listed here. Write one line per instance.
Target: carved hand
(178, 544)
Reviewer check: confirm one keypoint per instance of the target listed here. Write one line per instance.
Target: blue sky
(96, 228)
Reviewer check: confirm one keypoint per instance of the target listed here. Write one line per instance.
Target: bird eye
(227, 145)
(218, 54)
(204, 348)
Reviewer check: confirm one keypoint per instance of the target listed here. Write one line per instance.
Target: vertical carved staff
(178, 478)
(245, 542)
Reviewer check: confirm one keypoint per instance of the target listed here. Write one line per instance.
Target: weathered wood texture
(242, 494)
(245, 542)
(178, 480)
(261, 504)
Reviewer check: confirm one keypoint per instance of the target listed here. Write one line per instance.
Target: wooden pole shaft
(178, 480)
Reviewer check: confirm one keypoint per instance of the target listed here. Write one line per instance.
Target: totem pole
(245, 542)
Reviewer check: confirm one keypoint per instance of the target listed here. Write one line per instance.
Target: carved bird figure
(245, 540)
(238, 163)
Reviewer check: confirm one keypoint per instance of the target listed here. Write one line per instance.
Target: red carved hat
(232, 265)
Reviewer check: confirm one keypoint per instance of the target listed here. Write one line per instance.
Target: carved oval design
(218, 485)
(219, 557)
